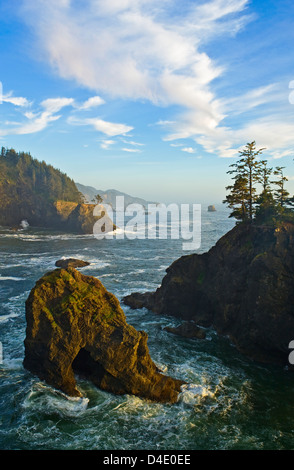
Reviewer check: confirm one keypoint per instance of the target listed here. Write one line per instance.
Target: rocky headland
(243, 287)
(76, 327)
(41, 195)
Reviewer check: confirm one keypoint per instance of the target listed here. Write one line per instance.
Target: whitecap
(44, 397)
(4, 318)
(10, 278)
(194, 393)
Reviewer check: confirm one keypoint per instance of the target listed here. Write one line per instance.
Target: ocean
(230, 402)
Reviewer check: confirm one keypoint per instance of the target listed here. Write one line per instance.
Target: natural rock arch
(74, 325)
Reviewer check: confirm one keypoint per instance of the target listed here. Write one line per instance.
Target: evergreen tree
(97, 199)
(265, 174)
(281, 193)
(247, 172)
(238, 198)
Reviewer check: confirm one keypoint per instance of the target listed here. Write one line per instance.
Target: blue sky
(151, 98)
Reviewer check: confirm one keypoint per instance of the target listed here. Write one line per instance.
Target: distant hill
(109, 196)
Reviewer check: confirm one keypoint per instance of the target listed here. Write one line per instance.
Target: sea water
(229, 402)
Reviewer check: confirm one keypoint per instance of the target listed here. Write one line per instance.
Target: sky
(152, 98)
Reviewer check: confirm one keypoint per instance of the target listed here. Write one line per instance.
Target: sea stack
(75, 326)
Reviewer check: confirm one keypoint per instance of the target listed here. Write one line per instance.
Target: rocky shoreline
(243, 287)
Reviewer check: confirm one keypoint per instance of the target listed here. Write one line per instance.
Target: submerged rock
(75, 326)
(243, 287)
(187, 330)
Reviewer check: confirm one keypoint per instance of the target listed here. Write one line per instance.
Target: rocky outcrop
(75, 326)
(77, 218)
(243, 287)
(187, 329)
(71, 263)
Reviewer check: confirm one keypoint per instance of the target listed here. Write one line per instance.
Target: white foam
(4, 318)
(45, 397)
(194, 393)
(10, 278)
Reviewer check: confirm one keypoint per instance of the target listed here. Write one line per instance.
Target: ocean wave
(5, 318)
(194, 393)
(44, 398)
(37, 237)
(11, 278)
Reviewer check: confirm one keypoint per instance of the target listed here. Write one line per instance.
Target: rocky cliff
(74, 217)
(75, 326)
(243, 288)
(41, 194)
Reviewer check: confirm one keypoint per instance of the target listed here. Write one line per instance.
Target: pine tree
(97, 199)
(248, 171)
(238, 198)
(281, 193)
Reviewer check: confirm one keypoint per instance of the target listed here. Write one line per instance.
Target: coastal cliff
(40, 194)
(76, 327)
(243, 287)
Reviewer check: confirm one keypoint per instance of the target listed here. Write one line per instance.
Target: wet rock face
(71, 263)
(75, 326)
(187, 329)
(243, 288)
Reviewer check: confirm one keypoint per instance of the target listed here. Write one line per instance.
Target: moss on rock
(75, 326)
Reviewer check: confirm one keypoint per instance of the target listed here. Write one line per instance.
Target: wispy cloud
(110, 129)
(188, 150)
(137, 49)
(92, 102)
(54, 105)
(155, 51)
(15, 100)
(33, 122)
(105, 144)
(131, 150)
(48, 111)
(131, 142)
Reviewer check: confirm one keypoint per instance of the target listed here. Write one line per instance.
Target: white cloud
(92, 102)
(155, 51)
(110, 129)
(131, 150)
(188, 150)
(36, 121)
(15, 100)
(131, 142)
(54, 105)
(105, 144)
(36, 124)
(138, 49)
(252, 99)
(273, 134)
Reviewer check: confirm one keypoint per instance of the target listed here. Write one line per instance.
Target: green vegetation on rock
(41, 194)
